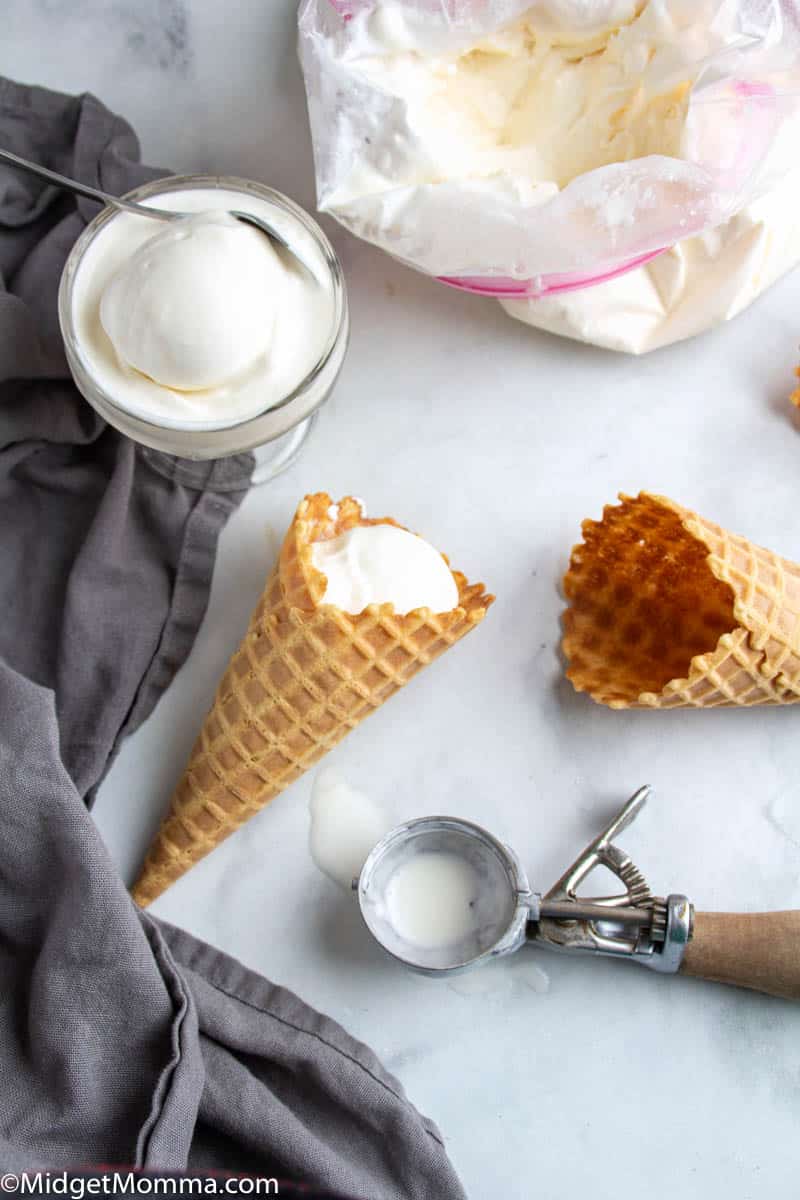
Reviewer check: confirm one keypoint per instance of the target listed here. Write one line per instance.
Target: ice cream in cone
(668, 610)
(310, 668)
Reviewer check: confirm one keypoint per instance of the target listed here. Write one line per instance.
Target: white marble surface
(495, 441)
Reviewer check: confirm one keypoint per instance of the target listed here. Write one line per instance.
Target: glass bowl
(276, 435)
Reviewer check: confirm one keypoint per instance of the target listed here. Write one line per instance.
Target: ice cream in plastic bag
(618, 171)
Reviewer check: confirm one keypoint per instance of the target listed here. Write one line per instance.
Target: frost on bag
(518, 148)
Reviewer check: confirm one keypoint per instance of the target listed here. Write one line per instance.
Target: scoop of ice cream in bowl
(202, 338)
(194, 307)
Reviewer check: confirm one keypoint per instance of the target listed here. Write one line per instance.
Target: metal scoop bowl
(502, 903)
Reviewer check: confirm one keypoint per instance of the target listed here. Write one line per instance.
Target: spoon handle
(83, 189)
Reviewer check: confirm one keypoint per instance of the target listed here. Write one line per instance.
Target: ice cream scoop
(195, 305)
(441, 894)
(380, 564)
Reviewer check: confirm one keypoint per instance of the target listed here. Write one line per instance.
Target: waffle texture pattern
(668, 610)
(305, 674)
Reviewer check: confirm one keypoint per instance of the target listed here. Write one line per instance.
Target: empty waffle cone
(668, 610)
(305, 674)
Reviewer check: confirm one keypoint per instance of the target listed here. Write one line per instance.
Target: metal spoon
(144, 210)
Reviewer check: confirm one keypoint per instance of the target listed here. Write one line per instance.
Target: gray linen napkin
(124, 1040)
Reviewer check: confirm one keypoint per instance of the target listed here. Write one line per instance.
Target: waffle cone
(668, 610)
(304, 675)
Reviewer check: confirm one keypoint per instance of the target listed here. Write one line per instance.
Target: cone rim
(468, 593)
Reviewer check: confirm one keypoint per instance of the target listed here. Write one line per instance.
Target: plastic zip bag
(492, 232)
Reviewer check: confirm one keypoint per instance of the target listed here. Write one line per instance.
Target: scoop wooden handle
(751, 950)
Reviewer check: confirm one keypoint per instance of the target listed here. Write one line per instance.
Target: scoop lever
(632, 924)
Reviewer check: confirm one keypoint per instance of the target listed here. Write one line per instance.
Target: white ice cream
(345, 825)
(381, 564)
(201, 324)
(532, 102)
(195, 305)
(695, 285)
(432, 900)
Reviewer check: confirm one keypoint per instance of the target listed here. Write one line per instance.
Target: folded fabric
(123, 1040)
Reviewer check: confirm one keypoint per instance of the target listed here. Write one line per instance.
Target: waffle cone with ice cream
(305, 674)
(668, 610)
